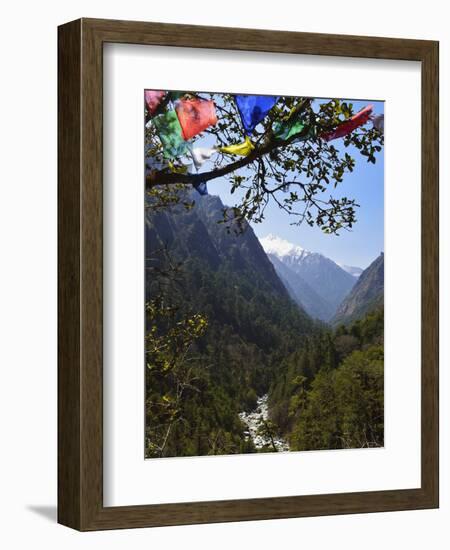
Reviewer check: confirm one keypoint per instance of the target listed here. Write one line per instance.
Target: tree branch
(168, 178)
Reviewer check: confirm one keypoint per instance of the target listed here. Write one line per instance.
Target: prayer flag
(285, 130)
(349, 125)
(169, 132)
(253, 109)
(152, 99)
(243, 149)
(200, 155)
(195, 115)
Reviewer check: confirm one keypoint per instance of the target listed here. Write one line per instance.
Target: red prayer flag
(349, 125)
(153, 99)
(195, 115)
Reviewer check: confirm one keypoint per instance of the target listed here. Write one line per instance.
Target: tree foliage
(329, 395)
(344, 407)
(298, 174)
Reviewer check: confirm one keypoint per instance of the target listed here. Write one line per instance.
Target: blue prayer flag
(253, 109)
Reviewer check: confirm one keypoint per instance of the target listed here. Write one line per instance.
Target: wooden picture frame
(80, 271)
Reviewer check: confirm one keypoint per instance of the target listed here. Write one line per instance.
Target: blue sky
(365, 184)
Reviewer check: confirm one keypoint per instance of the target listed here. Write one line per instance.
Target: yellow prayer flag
(243, 149)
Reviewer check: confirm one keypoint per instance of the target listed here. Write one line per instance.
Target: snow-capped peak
(281, 248)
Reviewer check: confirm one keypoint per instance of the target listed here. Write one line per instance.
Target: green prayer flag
(287, 129)
(169, 131)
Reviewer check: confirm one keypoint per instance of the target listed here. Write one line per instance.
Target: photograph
(264, 273)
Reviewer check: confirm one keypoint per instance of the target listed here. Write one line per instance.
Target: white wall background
(28, 274)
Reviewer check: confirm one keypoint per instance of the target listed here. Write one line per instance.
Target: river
(254, 420)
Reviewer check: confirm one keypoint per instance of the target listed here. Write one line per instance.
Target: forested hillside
(330, 393)
(232, 359)
(366, 295)
(230, 322)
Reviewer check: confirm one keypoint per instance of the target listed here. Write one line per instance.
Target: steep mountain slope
(302, 292)
(353, 270)
(225, 276)
(195, 267)
(366, 295)
(328, 280)
(196, 236)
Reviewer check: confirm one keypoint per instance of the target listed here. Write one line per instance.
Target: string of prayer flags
(201, 188)
(152, 99)
(357, 120)
(169, 131)
(378, 122)
(242, 149)
(200, 155)
(253, 109)
(195, 115)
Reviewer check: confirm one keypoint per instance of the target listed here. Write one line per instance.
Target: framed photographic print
(248, 274)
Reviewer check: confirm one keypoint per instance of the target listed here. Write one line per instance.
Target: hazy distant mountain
(320, 284)
(353, 270)
(302, 292)
(367, 294)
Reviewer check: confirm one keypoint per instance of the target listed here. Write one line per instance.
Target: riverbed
(256, 418)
